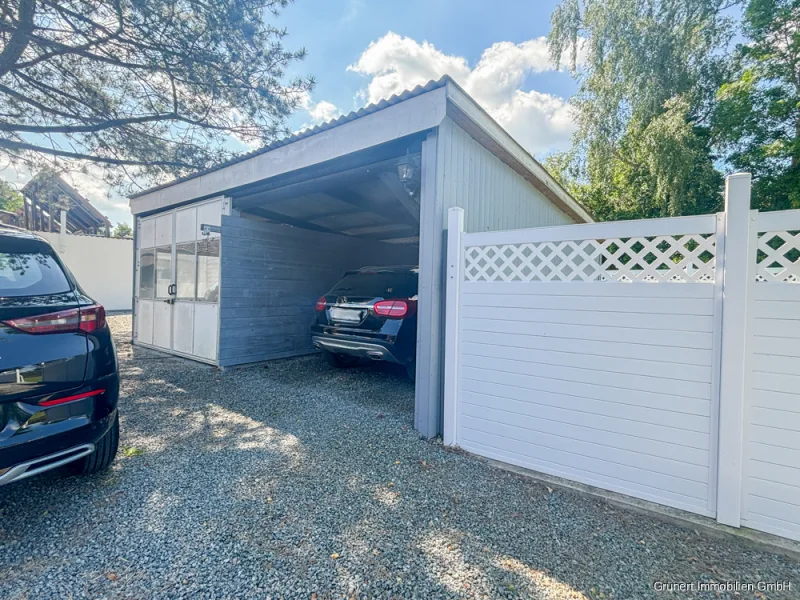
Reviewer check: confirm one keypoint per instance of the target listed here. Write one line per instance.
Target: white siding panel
(772, 441)
(554, 407)
(494, 196)
(608, 364)
(586, 472)
(676, 356)
(637, 386)
(606, 384)
(643, 321)
(587, 432)
(784, 438)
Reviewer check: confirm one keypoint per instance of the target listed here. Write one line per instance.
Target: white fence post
(739, 272)
(455, 262)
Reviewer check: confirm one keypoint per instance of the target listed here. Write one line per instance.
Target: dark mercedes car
(58, 370)
(371, 313)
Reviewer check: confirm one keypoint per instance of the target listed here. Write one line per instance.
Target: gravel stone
(298, 480)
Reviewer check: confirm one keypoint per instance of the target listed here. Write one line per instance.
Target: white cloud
(540, 122)
(323, 111)
(319, 112)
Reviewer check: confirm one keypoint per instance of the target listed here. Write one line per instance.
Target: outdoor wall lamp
(406, 171)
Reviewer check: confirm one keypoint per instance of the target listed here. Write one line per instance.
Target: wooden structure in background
(47, 195)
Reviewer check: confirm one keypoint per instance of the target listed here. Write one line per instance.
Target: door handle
(172, 289)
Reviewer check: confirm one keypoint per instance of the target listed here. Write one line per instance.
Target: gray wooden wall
(271, 277)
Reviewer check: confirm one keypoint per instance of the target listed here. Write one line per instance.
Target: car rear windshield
(384, 284)
(31, 274)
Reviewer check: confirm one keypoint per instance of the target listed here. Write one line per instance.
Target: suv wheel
(341, 361)
(104, 452)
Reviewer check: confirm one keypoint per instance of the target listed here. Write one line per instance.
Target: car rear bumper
(353, 347)
(44, 463)
(30, 434)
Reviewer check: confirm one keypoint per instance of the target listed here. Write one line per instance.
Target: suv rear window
(31, 274)
(384, 284)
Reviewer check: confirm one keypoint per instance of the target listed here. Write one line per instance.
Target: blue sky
(336, 33)
(361, 51)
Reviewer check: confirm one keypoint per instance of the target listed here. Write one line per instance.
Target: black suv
(58, 370)
(371, 313)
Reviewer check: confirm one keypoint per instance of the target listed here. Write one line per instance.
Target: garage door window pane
(147, 273)
(185, 270)
(208, 270)
(163, 271)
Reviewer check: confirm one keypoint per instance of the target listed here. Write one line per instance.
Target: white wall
(102, 266)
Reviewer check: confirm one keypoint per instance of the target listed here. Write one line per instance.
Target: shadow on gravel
(296, 480)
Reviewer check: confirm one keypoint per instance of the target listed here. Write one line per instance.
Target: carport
(230, 261)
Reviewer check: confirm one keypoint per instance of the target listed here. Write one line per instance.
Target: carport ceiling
(368, 202)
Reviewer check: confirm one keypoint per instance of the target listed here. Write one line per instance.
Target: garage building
(230, 261)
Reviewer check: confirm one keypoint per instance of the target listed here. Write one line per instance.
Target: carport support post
(455, 262)
(738, 279)
(430, 349)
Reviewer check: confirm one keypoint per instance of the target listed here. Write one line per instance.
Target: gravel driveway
(296, 480)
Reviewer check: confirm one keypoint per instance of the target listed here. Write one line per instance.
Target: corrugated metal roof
(352, 116)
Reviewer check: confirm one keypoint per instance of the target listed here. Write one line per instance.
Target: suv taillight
(394, 309)
(86, 319)
(321, 304)
(92, 318)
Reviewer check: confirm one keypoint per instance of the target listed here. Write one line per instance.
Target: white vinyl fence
(656, 358)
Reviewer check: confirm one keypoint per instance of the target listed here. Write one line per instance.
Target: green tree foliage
(643, 146)
(152, 87)
(122, 230)
(10, 199)
(757, 116)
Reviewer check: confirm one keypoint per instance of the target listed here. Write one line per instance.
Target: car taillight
(321, 304)
(58, 401)
(396, 309)
(92, 318)
(86, 319)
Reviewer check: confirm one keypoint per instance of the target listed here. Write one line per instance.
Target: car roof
(17, 232)
(18, 236)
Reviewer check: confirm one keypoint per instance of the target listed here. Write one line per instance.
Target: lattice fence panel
(658, 259)
(778, 257)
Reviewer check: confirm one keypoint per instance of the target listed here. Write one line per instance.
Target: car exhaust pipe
(375, 355)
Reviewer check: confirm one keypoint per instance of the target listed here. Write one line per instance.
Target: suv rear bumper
(63, 428)
(354, 348)
(44, 463)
